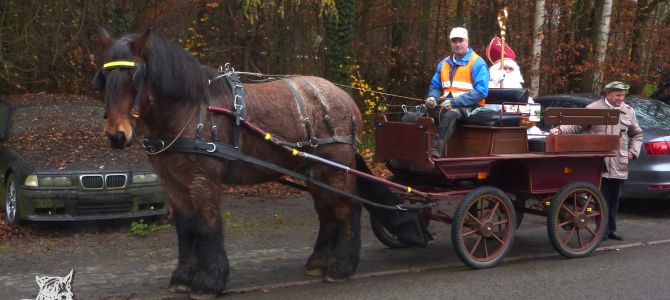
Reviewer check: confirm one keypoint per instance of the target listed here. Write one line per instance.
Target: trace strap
(227, 152)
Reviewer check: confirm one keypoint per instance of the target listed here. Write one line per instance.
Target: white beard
(509, 80)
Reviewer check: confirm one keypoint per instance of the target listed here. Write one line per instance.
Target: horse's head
(122, 79)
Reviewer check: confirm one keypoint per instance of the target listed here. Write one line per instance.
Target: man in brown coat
(630, 141)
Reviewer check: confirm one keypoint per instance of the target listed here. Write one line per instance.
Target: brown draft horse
(171, 91)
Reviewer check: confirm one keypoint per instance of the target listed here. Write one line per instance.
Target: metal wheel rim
(471, 237)
(568, 233)
(10, 204)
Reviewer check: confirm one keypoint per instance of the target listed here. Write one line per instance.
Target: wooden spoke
(594, 214)
(474, 218)
(493, 212)
(590, 231)
(588, 201)
(469, 233)
(579, 239)
(568, 210)
(497, 238)
(564, 223)
(480, 202)
(474, 247)
(567, 239)
(505, 221)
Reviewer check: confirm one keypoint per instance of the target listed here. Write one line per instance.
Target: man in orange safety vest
(459, 86)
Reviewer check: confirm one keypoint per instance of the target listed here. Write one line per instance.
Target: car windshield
(651, 113)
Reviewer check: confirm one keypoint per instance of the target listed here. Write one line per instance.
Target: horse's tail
(405, 225)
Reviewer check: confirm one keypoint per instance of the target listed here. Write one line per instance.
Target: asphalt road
(269, 241)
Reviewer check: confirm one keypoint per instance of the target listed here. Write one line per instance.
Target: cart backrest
(581, 116)
(582, 142)
(502, 95)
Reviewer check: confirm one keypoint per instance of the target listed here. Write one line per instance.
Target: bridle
(138, 79)
(139, 76)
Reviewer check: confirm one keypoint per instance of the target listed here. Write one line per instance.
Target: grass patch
(139, 228)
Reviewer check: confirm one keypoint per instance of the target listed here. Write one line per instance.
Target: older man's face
(615, 97)
(459, 46)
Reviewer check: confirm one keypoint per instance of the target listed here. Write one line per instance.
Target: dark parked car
(649, 174)
(55, 164)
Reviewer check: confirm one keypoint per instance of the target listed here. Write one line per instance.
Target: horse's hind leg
(338, 244)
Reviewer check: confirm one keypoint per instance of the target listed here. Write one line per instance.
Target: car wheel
(12, 201)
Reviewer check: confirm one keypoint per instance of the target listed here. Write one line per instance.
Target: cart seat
(495, 118)
(492, 118)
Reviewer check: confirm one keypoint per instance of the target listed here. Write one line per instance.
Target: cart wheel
(482, 231)
(385, 236)
(577, 219)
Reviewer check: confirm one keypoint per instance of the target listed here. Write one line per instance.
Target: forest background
(393, 46)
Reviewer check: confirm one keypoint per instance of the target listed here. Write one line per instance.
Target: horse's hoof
(202, 296)
(315, 272)
(179, 288)
(335, 280)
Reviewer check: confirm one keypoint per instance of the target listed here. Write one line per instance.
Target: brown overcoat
(630, 140)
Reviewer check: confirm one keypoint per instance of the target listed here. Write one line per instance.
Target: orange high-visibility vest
(462, 81)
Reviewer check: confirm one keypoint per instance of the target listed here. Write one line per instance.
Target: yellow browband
(119, 63)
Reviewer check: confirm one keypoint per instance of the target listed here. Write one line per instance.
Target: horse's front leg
(180, 202)
(211, 268)
(180, 282)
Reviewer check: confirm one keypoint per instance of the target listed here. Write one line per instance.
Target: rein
(337, 84)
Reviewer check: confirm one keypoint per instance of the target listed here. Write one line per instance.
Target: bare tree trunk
(460, 20)
(537, 47)
(601, 45)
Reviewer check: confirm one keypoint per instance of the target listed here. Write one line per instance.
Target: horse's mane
(172, 73)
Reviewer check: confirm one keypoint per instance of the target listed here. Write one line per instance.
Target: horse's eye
(105, 116)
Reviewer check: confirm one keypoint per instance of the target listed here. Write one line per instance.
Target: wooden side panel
(403, 141)
(468, 141)
(582, 143)
(510, 141)
(550, 174)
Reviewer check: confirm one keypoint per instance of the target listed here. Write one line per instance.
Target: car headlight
(55, 181)
(145, 178)
(31, 180)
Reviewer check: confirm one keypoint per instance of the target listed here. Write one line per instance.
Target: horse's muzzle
(118, 140)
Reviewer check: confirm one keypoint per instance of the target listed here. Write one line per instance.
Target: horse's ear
(139, 45)
(105, 39)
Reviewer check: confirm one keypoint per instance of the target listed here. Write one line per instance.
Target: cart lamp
(31, 180)
(481, 175)
(548, 203)
(567, 170)
(589, 209)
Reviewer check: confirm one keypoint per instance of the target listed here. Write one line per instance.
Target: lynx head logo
(55, 288)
